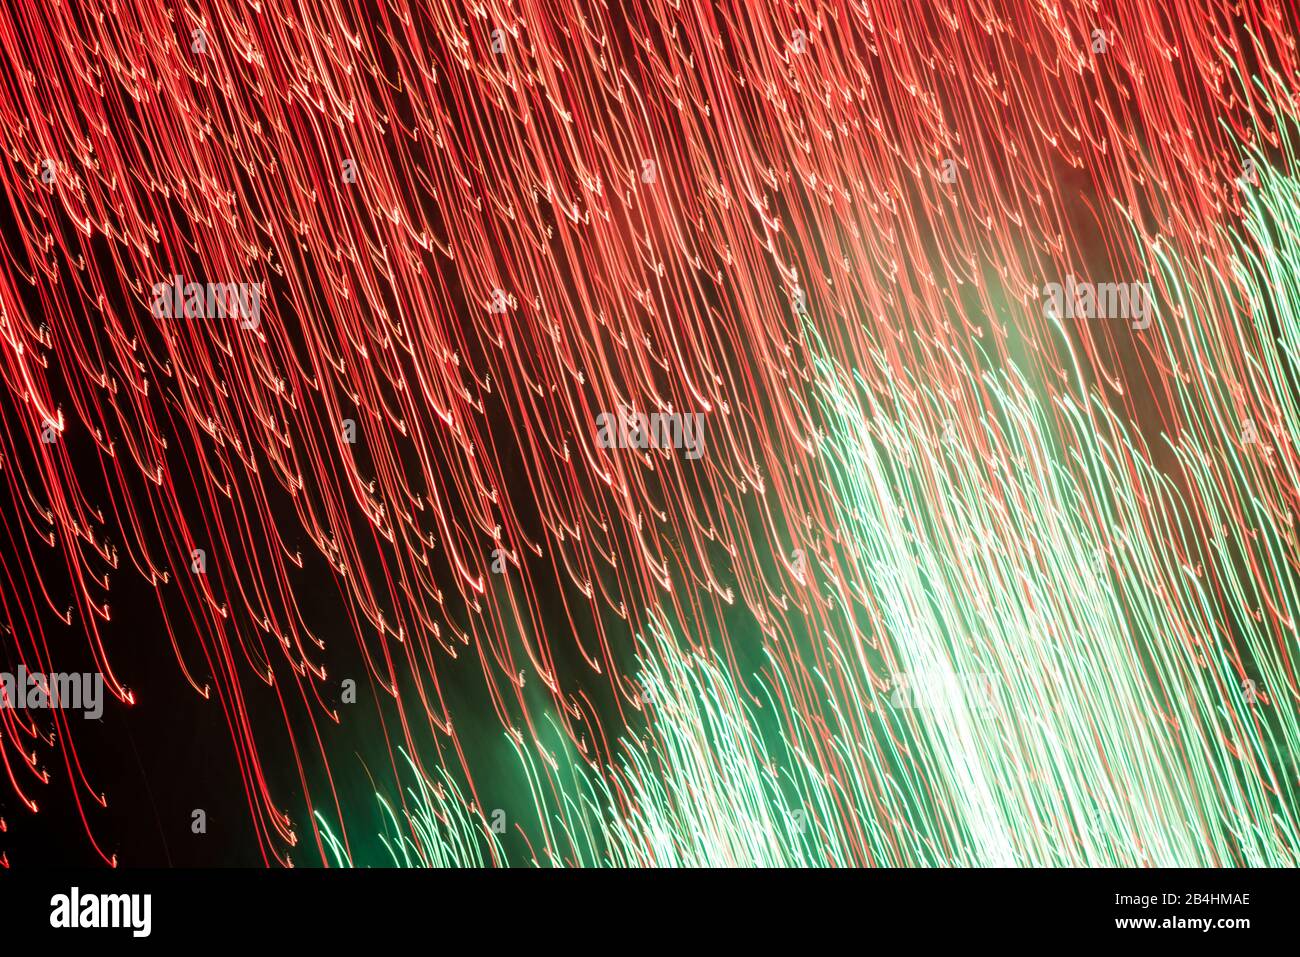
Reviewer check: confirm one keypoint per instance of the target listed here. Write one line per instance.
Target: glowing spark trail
(946, 575)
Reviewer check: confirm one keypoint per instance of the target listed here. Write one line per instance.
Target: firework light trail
(944, 575)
